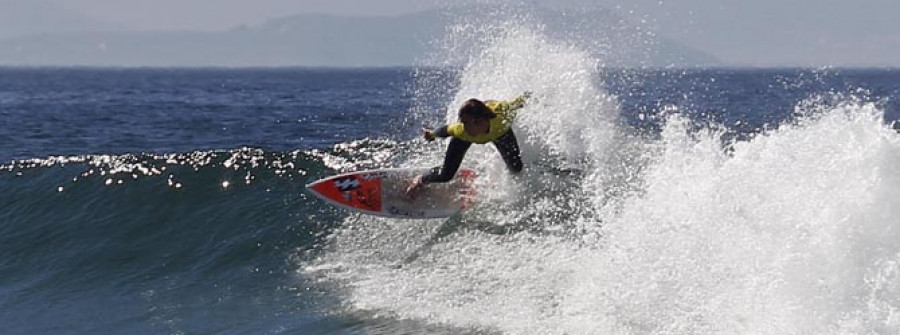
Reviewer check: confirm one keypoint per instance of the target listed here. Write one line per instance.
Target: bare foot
(414, 188)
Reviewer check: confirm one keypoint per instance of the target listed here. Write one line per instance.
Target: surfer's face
(474, 126)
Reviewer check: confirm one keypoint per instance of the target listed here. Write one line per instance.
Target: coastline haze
(765, 33)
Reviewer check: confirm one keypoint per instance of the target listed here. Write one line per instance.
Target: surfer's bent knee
(508, 147)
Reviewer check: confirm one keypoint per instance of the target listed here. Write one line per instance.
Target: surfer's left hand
(428, 134)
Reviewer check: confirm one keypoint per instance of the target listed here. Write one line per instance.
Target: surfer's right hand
(429, 136)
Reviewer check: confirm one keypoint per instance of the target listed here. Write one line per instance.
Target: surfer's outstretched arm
(441, 132)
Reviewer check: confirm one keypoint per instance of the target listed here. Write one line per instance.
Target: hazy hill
(34, 17)
(325, 40)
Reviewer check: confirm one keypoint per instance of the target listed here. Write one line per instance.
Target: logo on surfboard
(347, 184)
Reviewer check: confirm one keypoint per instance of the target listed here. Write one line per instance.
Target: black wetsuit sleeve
(441, 132)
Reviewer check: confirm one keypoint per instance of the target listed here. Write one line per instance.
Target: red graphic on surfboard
(382, 192)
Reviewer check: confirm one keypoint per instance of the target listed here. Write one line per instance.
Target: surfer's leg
(509, 150)
(456, 150)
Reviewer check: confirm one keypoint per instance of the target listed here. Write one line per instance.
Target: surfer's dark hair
(477, 109)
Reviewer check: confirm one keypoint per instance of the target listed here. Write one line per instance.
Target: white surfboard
(383, 193)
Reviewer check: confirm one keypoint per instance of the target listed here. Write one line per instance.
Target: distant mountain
(304, 40)
(20, 18)
(326, 40)
(619, 42)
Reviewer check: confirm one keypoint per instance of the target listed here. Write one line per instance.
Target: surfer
(479, 122)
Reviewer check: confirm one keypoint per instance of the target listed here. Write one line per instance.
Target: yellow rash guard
(506, 112)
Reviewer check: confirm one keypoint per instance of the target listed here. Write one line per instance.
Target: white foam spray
(792, 232)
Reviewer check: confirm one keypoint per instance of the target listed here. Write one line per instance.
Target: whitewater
(791, 230)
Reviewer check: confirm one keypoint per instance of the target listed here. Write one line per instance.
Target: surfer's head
(476, 116)
(476, 109)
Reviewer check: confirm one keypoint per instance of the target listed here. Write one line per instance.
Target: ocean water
(700, 201)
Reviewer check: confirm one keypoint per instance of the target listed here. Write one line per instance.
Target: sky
(779, 32)
(223, 14)
(761, 33)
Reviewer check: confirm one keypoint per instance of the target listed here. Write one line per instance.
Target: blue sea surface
(102, 111)
(151, 201)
